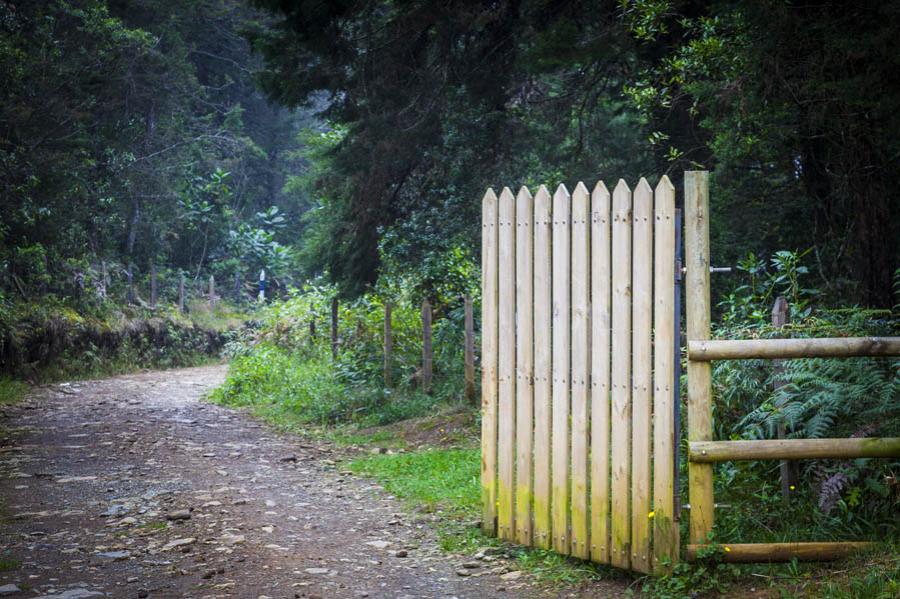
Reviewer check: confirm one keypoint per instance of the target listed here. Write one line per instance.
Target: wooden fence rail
(578, 369)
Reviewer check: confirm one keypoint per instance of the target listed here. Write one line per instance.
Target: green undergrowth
(297, 387)
(11, 390)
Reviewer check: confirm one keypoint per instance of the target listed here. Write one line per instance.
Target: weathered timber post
(469, 392)
(698, 304)
(129, 276)
(237, 287)
(212, 293)
(788, 468)
(153, 285)
(104, 281)
(334, 328)
(312, 331)
(388, 346)
(181, 292)
(427, 354)
(262, 286)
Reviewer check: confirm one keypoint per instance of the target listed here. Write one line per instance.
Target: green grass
(11, 390)
(435, 480)
(347, 436)
(7, 565)
(872, 574)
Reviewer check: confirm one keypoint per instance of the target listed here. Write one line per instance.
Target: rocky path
(132, 487)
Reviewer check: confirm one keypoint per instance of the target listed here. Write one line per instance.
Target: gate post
(697, 307)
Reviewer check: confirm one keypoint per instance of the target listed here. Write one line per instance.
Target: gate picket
(524, 362)
(641, 375)
(600, 331)
(621, 376)
(560, 387)
(489, 361)
(506, 364)
(581, 352)
(665, 527)
(542, 366)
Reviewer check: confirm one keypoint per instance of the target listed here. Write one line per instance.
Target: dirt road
(132, 487)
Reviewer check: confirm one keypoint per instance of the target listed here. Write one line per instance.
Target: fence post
(696, 228)
(237, 286)
(788, 468)
(334, 328)
(427, 355)
(104, 280)
(153, 285)
(262, 286)
(388, 347)
(181, 292)
(129, 275)
(312, 331)
(469, 393)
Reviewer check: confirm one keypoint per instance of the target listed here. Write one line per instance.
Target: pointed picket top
(622, 201)
(580, 189)
(581, 200)
(665, 184)
(561, 205)
(665, 199)
(523, 194)
(506, 194)
(600, 203)
(643, 200)
(543, 193)
(489, 195)
(643, 186)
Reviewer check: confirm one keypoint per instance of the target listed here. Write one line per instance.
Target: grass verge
(11, 390)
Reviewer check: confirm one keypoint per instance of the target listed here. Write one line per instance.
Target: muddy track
(133, 487)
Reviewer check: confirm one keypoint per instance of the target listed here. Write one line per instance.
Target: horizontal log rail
(794, 449)
(831, 347)
(783, 552)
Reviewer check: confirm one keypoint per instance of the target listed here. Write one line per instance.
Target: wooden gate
(578, 372)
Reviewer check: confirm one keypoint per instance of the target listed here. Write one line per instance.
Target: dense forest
(354, 139)
(134, 133)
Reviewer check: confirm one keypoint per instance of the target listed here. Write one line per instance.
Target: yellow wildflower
(651, 514)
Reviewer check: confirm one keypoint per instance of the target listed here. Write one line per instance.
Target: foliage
(705, 575)
(420, 94)
(11, 390)
(50, 340)
(809, 398)
(273, 378)
(289, 363)
(131, 132)
(793, 107)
